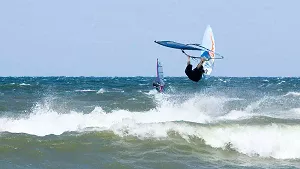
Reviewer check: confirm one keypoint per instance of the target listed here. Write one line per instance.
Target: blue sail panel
(176, 45)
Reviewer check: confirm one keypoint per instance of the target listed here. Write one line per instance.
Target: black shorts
(194, 74)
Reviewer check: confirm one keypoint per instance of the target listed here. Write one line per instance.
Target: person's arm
(188, 58)
(201, 63)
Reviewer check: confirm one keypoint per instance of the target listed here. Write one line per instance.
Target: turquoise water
(122, 122)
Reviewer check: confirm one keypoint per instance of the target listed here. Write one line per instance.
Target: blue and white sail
(208, 42)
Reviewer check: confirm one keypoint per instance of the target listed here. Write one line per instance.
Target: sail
(208, 42)
(160, 73)
(176, 45)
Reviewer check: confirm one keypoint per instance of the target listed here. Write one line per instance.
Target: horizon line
(155, 76)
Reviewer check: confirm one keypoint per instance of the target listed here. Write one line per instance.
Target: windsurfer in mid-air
(196, 73)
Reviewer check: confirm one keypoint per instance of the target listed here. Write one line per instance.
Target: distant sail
(160, 73)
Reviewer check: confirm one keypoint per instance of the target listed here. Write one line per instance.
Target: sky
(116, 38)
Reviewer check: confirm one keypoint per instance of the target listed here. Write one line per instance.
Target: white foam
(292, 94)
(236, 115)
(152, 92)
(117, 90)
(43, 120)
(100, 91)
(223, 80)
(85, 90)
(24, 84)
(278, 141)
(132, 99)
(281, 82)
(275, 140)
(255, 105)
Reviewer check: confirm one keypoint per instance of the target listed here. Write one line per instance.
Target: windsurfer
(196, 73)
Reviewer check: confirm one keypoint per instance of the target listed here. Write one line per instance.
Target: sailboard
(207, 49)
(159, 76)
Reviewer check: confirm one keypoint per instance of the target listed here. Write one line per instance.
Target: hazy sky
(115, 38)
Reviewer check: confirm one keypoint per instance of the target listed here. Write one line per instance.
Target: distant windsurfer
(196, 73)
(158, 86)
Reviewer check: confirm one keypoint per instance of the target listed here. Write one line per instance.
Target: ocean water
(122, 122)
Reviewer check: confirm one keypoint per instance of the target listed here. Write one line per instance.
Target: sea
(124, 123)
